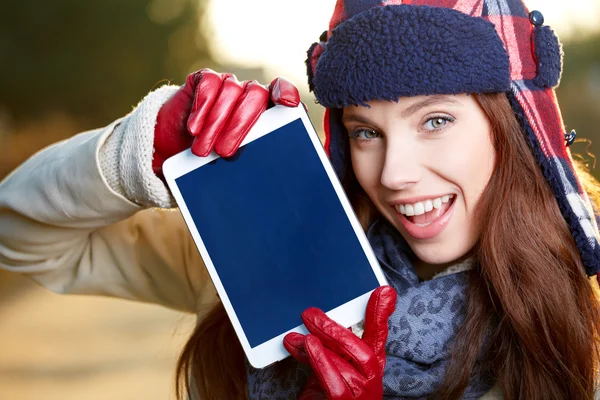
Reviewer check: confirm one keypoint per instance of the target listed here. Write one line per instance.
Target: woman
(442, 122)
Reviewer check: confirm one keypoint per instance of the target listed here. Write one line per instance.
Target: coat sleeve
(62, 225)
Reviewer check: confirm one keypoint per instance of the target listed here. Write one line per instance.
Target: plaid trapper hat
(383, 50)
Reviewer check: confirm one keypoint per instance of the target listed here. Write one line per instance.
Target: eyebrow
(427, 102)
(357, 118)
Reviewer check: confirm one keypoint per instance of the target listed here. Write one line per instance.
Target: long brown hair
(530, 301)
(529, 297)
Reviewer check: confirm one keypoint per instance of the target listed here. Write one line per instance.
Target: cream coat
(63, 226)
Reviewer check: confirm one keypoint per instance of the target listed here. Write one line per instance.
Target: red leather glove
(214, 111)
(345, 367)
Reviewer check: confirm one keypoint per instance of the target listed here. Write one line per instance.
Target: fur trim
(337, 140)
(549, 57)
(313, 54)
(378, 54)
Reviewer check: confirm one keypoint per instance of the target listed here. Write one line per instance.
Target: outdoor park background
(69, 66)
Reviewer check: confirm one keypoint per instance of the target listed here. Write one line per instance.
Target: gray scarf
(422, 329)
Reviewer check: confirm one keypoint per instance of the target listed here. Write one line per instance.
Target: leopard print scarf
(422, 328)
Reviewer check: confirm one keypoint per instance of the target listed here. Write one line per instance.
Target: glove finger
(284, 92)
(294, 344)
(329, 377)
(206, 86)
(355, 381)
(217, 117)
(341, 341)
(379, 308)
(251, 104)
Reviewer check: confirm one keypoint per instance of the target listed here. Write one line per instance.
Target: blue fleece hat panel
(378, 55)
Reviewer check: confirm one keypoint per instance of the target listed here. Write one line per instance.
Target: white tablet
(276, 232)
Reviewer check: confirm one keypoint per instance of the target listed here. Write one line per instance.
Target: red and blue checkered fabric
(534, 59)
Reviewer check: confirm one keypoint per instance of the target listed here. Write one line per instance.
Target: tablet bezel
(346, 314)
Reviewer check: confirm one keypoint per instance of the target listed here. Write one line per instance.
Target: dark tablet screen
(276, 232)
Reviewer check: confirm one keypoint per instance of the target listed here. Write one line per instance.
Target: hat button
(570, 137)
(536, 18)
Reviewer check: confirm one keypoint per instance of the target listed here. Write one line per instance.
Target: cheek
(367, 166)
(468, 164)
(477, 169)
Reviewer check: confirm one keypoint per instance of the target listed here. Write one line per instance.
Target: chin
(440, 254)
(442, 250)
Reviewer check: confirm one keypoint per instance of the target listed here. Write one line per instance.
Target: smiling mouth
(426, 212)
(429, 221)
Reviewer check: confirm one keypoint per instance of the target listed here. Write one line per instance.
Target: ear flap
(336, 141)
(313, 54)
(548, 52)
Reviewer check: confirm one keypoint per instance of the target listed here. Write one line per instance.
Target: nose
(401, 165)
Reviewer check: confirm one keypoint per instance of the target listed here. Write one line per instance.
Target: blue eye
(364, 134)
(438, 122)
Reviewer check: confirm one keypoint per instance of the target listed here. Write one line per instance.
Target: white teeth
(428, 205)
(419, 208)
(423, 207)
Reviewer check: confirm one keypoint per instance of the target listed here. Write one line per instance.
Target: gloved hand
(214, 110)
(344, 366)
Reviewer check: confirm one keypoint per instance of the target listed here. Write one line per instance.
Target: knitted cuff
(126, 155)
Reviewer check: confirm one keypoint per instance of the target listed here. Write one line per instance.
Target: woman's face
(424, 162)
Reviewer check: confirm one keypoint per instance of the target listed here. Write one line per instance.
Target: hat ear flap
(313, 54)
(548, 52)
(336, 141)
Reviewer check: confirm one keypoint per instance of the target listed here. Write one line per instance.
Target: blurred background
(71, 65)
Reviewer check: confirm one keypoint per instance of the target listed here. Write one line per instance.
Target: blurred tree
(579, 93)
(93, 60)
